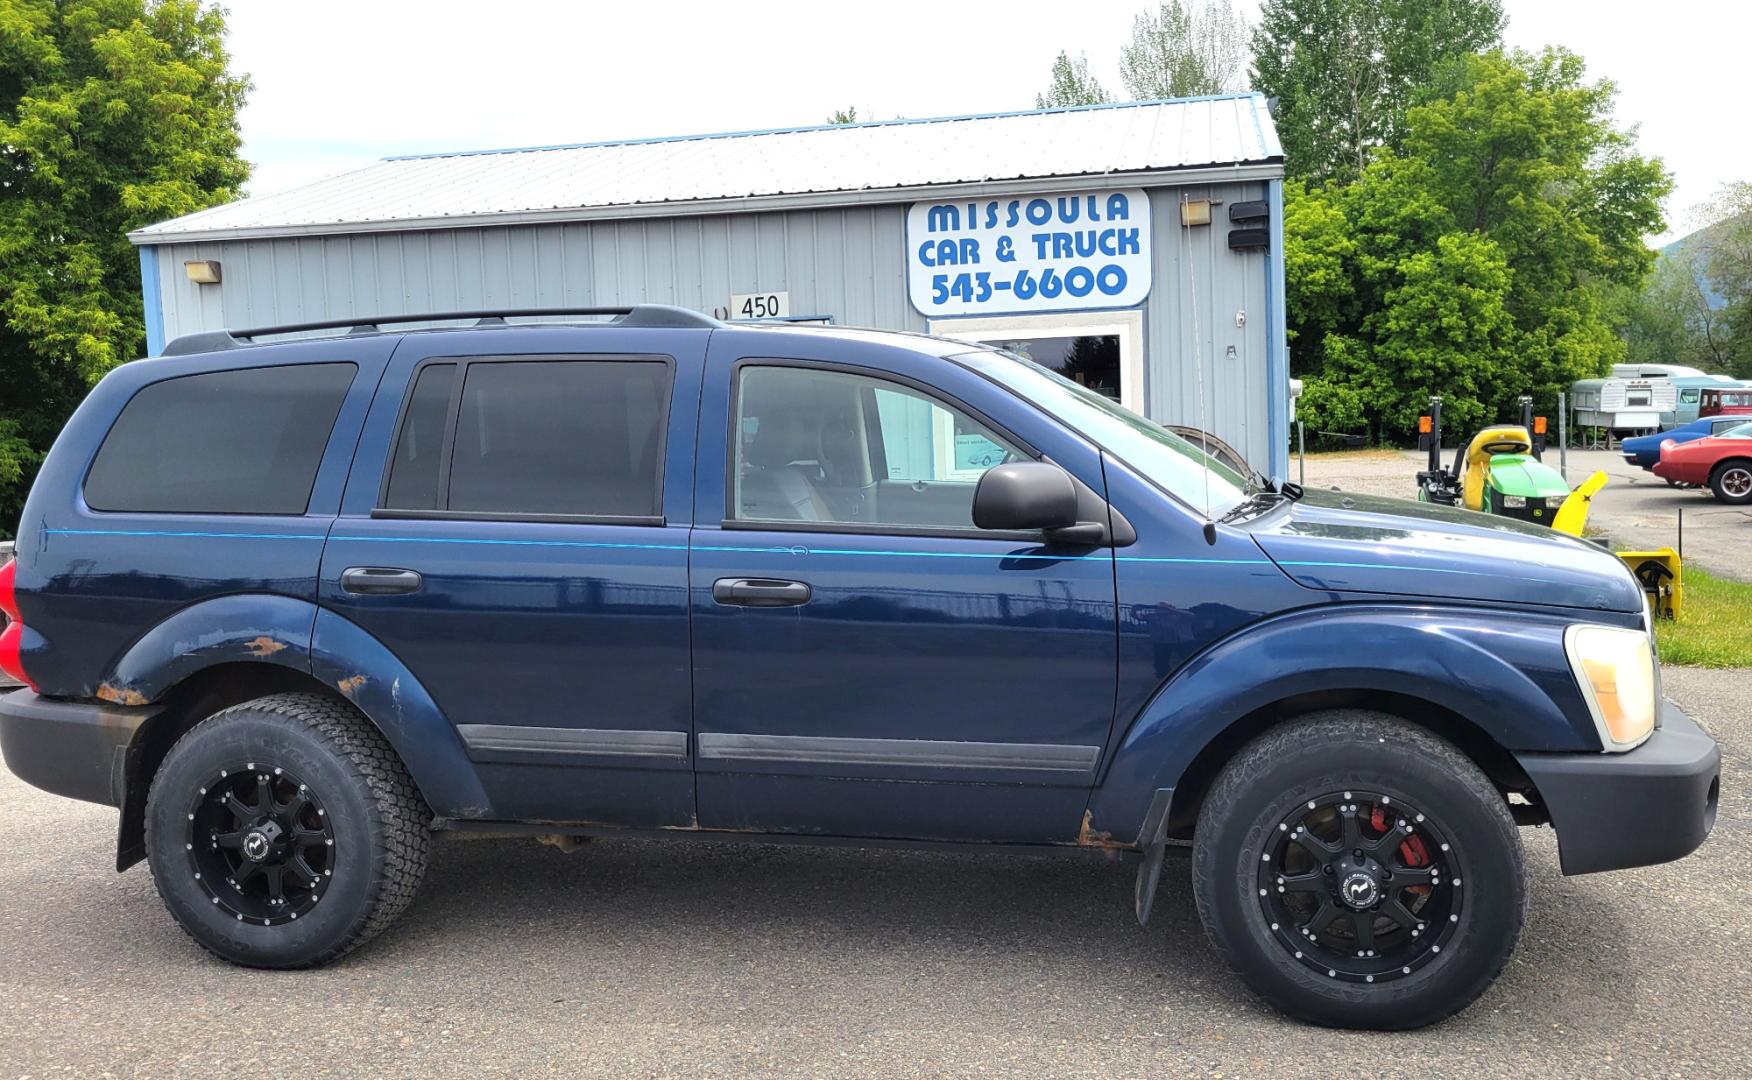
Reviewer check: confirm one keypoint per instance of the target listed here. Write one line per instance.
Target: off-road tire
(1355, 749)
(1731, 475)
(381, 827)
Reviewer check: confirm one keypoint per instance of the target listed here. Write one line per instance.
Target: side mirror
(1024, 496)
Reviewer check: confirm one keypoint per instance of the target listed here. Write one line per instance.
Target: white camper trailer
(1623, 406)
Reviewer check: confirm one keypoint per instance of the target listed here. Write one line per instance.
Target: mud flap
(1153, 839)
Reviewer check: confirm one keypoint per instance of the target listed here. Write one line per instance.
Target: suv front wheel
(1358, 871)
(284, 832)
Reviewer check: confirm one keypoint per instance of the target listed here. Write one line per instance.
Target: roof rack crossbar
(642, 315)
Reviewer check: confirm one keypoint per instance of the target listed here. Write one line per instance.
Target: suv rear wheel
(1358, 871)
(285, 832)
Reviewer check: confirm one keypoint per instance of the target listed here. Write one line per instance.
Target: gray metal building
(1137, 247)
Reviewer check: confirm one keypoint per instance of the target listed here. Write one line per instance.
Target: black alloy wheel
(1359, 871)
(1360, 887)
(260, 843)
(284, 832)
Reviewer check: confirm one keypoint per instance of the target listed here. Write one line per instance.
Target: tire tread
(403, 819)
(1291, 739)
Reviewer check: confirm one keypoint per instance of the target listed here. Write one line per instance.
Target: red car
(1722, 461)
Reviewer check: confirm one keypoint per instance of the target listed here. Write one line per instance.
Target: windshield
(1177, 466)
(1744, 431)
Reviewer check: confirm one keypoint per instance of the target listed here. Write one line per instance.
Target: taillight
(8, 599)
(11, 640)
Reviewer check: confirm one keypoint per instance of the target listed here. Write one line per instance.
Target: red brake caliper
(1412, 850)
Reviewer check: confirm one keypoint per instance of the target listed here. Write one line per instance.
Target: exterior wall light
(202, 271)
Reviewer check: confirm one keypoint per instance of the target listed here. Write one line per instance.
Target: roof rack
(645, 315)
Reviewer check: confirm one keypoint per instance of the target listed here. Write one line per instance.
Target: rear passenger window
(229, 442)
(416, 471)
(534, 438)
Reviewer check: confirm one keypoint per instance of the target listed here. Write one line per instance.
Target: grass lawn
(1714, 628)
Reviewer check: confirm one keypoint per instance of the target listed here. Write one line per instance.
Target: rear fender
(250, 627)
(296, 634)
(346, 657)
(1505, 673)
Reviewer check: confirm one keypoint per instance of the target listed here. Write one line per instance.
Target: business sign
(1030, 253)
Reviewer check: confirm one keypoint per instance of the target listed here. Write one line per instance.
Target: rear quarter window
(227, 442)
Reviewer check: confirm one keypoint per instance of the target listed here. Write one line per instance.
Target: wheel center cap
(1358, 882)
(1359, 889)
(259, 842)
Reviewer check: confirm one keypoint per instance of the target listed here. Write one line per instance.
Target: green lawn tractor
(1501, 472)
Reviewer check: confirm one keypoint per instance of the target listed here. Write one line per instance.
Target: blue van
(295, 604)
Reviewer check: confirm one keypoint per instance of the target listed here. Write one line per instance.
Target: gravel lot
(1637, 509)
(687, 958)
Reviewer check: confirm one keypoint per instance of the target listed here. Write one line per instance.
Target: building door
(866, 661)
(1103, 350)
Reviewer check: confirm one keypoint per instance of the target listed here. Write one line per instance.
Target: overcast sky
(339, 84)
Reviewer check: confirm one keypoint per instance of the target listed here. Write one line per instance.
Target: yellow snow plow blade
(1573, 514)
(1658, 573)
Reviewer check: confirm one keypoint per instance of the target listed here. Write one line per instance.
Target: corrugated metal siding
(844, 262)
(1199, 287)
(848, 263)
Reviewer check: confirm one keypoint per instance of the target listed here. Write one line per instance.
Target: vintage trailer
(1623, 406)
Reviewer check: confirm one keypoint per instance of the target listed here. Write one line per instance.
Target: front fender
(1505, 673)
(253, 627)
(346, 657)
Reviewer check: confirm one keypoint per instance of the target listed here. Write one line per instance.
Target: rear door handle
(759, 592)
(379, 580)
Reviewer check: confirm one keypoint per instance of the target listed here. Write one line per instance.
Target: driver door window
(815, 445)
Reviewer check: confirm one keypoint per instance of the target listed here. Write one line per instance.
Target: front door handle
(379, 580)
(759, 592)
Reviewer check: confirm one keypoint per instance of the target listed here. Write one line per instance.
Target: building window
(228, 442)
(1101, 350)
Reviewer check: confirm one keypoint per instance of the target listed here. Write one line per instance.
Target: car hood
(1369, 544)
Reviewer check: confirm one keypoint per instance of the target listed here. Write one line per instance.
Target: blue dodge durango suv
(293, 603)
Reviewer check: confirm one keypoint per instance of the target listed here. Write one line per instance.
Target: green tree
(113, 114)
(1071, 85)
(1674, 319)
(1481, 263)
(1184, 50)
(1344, 72)
(848, 115)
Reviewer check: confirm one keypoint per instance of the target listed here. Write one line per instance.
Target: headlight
(1615, 668)
(1514, 502)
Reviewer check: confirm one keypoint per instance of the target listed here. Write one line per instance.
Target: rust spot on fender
(120, 695)
(263, 646)
(1089, 836)
(351, 684)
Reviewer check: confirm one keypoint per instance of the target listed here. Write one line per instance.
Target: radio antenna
(1204, 428)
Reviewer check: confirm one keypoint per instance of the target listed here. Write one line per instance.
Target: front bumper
(1650, 805)
(73, 748)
